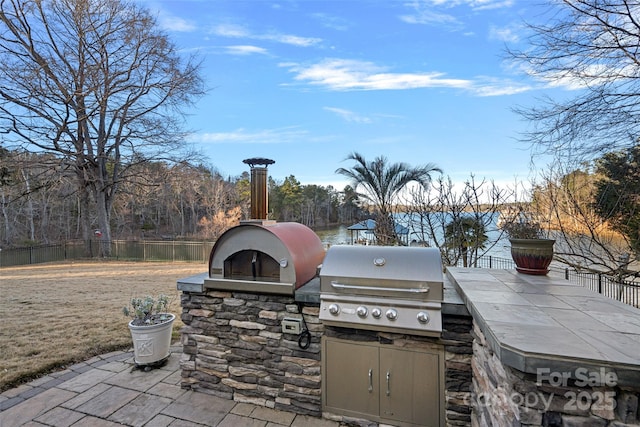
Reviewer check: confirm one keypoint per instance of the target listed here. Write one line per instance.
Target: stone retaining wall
(506, 397)
(233, 347)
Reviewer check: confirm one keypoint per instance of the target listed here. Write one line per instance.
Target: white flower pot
(151, 343)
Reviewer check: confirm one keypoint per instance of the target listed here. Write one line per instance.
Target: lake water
(335, 236)
(340, 235)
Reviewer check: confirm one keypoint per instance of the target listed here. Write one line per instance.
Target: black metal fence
(129, 250)
(611, 286)
(489, 261)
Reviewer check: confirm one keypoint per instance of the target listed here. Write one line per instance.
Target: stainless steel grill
(385, 288)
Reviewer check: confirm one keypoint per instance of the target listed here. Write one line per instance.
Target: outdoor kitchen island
(548, 352)
(514, 350)
(251, 347)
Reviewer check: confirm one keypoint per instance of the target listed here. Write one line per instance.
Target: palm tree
(382, 183)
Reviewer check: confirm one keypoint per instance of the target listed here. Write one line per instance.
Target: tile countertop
(548, 323)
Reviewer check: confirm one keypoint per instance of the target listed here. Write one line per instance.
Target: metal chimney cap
(258, 161)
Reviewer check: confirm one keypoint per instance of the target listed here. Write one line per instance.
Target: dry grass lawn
(58, 314)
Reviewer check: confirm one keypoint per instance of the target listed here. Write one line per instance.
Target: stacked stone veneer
(458, 350)
(233, 347)
(504, 396)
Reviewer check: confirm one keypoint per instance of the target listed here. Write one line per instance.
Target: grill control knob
(376, 312)
(392, 314)
(362, 311)
(423, 317)
(334, 309)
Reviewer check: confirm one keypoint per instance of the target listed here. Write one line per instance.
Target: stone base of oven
(234, 347)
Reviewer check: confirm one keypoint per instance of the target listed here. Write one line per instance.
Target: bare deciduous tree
(584, 239)
(433, 211)
(592, 46)
(96, 83)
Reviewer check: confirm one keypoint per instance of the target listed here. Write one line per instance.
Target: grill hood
(398, 271)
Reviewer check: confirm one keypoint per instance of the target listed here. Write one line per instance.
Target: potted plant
(150, 328)
(531, 252)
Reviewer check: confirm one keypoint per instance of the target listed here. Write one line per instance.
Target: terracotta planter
(532, 256)
(151, 343)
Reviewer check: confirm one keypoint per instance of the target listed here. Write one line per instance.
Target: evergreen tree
(618, 193)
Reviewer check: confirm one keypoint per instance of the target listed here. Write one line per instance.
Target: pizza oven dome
(265, 257)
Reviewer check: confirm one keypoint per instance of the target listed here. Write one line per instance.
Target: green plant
(521, 228)
(148, 310)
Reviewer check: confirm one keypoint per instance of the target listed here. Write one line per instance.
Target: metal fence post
(599, 283)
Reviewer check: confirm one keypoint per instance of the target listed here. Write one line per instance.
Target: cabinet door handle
(370, 380)
(388, 381)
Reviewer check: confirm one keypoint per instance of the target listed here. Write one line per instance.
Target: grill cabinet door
(409, 386)
(411, 396)
(351, 377)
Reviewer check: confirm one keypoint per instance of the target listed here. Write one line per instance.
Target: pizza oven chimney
(259, 193)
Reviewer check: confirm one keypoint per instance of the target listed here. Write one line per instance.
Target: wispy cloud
(349, 116)
(489, 4)
(581, 78)
(471, 4)
(352, 75)
(431, 17)
(332, 21)
(493, 87)
(230, 30)
(346, 74)
(244, 136)
(237, 31)
(434, 12)
(245, 50)
(290, 39)
(173, 23)
(504, 34)
(576, 78)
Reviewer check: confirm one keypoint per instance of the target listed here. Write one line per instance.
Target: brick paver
(34, 407)
(272, 415)
(106, 391)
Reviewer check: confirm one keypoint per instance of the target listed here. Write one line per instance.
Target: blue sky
(307, 82)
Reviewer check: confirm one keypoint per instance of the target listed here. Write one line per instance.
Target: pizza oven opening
(251, 265)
